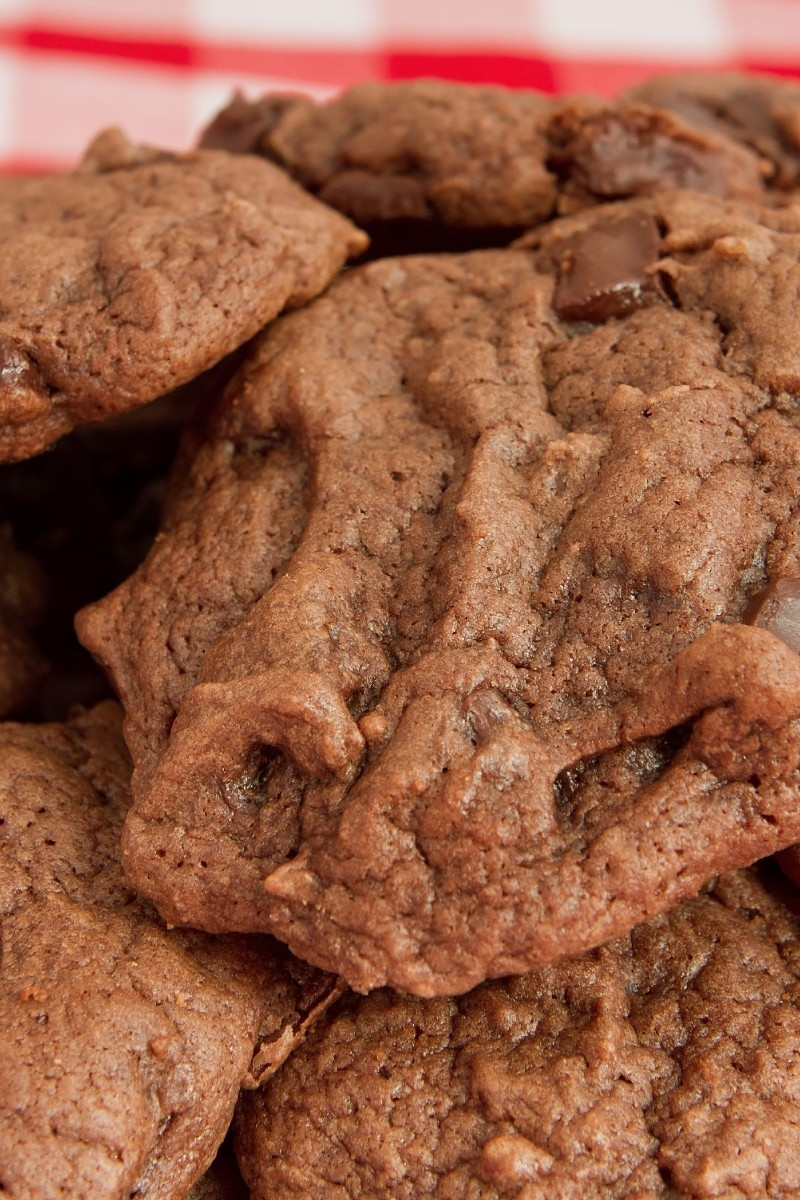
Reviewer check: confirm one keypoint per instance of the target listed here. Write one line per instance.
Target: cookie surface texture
(137, 271)
(441, 667)
(453, 157)
(661, 1066)
(124, 1045)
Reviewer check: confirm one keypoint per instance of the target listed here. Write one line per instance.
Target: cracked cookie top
(659, 1066)
(137, 271)
(444, 664)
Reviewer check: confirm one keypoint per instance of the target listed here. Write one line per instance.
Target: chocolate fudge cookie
(486, 159)
(124, 1044)
(761, 111)
(134, 273)
(427, 151)
(22, 599)
(443, 665)
(661, 1066)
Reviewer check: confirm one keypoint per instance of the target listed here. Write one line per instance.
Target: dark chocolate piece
(626, 150)
(760, 111)
(608, 272)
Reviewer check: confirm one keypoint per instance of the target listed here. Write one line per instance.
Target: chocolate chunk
(608, 271)
(738, 263)
(777, 609)
(759, 111)
(633, 150)
(24, 398)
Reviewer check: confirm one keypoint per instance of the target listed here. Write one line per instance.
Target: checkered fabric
(160, 68)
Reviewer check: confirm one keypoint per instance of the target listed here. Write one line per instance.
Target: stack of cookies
(453, 626)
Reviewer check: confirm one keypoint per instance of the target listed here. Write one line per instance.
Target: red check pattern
(160, 68)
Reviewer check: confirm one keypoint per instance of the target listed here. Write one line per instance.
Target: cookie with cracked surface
(137, 271)
(487, 693)
(424, 151)
(660, 1066)
(22, 599)
(124, 1044)
(760, 111)
(452, 157)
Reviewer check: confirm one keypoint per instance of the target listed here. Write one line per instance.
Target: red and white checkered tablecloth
(160, 68)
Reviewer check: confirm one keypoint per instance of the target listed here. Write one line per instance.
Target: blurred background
(161, 68)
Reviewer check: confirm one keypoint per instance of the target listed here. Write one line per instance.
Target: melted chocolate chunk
(23, 394)
(635, 150)
(604, 272)
(777, 609)
(756, 111)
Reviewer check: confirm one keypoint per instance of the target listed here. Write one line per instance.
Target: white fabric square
(14, 10)
(150, 18)
(9, 105)
(304, 22)
(626, 28)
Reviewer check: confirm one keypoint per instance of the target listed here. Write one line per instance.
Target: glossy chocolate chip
(23, 393)
(777, 609)
(607, 271)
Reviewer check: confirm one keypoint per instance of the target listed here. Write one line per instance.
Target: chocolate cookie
(662, 1065)
(22, 598)
(761, 111)
(124, 1044)
(134, 273)
(425, 151)
(487, 159)
(487, 690)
